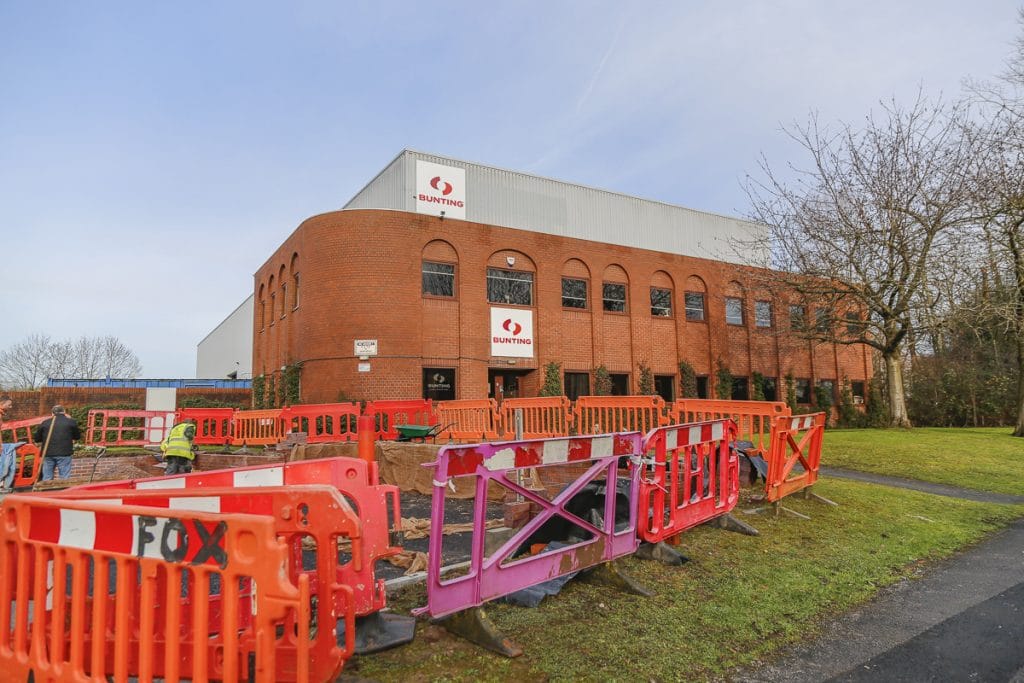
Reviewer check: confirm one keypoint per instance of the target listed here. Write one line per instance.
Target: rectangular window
(828, 388)
(574, 293)
(822, 320)
(273, 307)
(665, 386)
(509, 287)
(740, 389)
(263, 315)
(763, 313)
(770, 389)
(295, 292)
(694, 306)
(438, 279)
(439, 384)
(857, 389)
(803, 390)
(702, 386)
(577, 384)
(620, 385)
(797, 317)
(661, 302)
(733, 310)
(854, 326)
(614, 296)
(284, 298)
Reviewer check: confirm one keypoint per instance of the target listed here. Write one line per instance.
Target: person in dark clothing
(57, 436)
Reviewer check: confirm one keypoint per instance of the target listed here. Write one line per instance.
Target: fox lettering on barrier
(173, 544)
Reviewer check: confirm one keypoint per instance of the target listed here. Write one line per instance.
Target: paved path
(927, 487)
(964, 621)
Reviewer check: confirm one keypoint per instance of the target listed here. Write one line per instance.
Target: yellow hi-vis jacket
(179, 441)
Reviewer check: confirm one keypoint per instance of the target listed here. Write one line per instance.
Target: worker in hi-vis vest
(177, 448)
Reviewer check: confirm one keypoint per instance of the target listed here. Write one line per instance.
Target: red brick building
(410, 299)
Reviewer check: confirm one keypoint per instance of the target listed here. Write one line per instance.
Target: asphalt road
(963, 621)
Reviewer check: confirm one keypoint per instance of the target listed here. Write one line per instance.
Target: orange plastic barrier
(468, 420)
(753, 418)
(794, 439)
(213, 425)
(387, 414)
(323, 422)
(127, 427)
(258, 427)
(694, 478)
(543, 417)
(94, 589)
(27, 463)
(602, 414)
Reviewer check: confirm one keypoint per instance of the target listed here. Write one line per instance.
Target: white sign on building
(365, 347)
(440, 188)
(512, 332)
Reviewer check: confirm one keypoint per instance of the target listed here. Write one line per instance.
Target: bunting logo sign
(512, 332)
(440, 189)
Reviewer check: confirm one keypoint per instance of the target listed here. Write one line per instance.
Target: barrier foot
(661, 552)
(776, 509)
(730, 523)
(811, 495)
(475, 626)
(607, 574)
(380, 631)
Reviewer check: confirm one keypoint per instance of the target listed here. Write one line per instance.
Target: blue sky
(152, 156)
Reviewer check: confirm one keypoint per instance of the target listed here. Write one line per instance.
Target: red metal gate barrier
(257, 427)
(468, 420)
(213, 425)
(543, 417)
(388, 414)
(600, 414)
(753, 418)
(127, 427)
(377, 505)
(695, 478)
(794, 440)
(89, 590)
(323, 422)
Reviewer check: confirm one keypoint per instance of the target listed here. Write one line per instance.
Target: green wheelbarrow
(418, 432)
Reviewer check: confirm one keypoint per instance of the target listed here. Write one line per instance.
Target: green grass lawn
(983, 459)
(739, 600)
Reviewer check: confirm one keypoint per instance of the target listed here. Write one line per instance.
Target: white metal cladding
(497, 196)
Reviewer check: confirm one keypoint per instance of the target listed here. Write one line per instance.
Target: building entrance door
(504, 384)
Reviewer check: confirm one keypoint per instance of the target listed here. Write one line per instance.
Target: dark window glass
(857, 389)
(284, 298)
(770, 389)
(577, 384)
(797, 317)
(574, 293)
(439, 384)
(665, 386)
(822, 320)
(854, 326)
(733, 310)
(694, 306)
(740, 389)
(827, 387)
(509, 287)
(803, 390)
(614, 296)
(620, 385)
(763, 313)
(702, 386)
(295, 292)
(661, 302)
(438, 279)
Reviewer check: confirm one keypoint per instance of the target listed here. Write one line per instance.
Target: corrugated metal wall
(517, 200)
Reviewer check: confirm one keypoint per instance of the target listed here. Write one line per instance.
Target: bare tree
(28, 364)
(858, 230)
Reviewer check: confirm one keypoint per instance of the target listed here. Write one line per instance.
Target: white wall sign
(365, 347)
(512, 332)
(440, 188)
(364, 367)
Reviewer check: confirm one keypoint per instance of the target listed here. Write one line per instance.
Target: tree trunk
(1019, 429)
(894, 384)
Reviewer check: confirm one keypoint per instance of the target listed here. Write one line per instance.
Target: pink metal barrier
(544, 417)
(127, 427)
(507, 570)
(695, 478)
(601, 414)
(323, 422)
(213, 425)
(388, 414)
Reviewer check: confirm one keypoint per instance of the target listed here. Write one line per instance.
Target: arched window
(575, 285)
(273, 300)
(295, 281)
(695, 300)
(734, 304)
(510, 278)
(284, 292)
(662, 289)
(262, 309)
(438, 269)
(614, 290)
